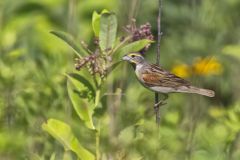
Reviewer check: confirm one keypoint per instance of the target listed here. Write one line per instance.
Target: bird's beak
(126, 58)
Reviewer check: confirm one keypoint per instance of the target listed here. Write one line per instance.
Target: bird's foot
(160, 103)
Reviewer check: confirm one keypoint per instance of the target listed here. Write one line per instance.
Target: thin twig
(156, 108)
(159, 30)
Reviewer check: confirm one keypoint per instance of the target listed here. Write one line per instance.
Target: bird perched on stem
(159, 80)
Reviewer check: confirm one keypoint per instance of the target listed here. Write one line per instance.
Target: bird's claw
(160, 103)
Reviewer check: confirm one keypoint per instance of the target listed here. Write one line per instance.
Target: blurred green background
(200, 42)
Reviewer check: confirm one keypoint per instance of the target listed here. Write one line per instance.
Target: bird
(159, 80)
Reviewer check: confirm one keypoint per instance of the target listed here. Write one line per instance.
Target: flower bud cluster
(93, 62)
(143, 32)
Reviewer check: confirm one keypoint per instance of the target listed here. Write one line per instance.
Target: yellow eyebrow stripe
(134, 54)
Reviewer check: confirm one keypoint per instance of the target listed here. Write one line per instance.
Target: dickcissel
(159, 80)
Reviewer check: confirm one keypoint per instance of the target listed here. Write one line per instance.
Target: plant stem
(156, 108)
(120, 45)
(72, 16)
(133, 10)
(98, 90)
(159, 30)
(97, 97)
(98, 144)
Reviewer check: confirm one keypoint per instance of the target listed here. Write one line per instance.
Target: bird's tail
(201, 91)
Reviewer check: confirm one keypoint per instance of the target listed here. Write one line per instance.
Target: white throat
(138, 69)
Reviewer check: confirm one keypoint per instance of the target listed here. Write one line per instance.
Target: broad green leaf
(96, 21)
(134, 46)
(84, 82)
(82, 96)
(108, 31)
(63, 133)
(70, 41)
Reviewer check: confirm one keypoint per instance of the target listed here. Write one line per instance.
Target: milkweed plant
(86, 93)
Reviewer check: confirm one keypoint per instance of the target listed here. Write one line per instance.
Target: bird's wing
(156, 76)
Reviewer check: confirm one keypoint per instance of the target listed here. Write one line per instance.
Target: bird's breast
(138, 71)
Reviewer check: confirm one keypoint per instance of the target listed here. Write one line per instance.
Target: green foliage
(112, 117)
(108, 31)
(63, 133)
(134, 46)
(69, 40)
(96, 21)
(232, 50)
(82, 96)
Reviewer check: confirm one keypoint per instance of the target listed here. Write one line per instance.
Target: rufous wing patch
(163, 80)
(152, 79)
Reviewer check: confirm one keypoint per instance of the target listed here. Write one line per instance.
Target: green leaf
(84, 82)
(96, 21)
(70, 41)
(82, 96)
(134, 46)
(63, 133)
(108, 31)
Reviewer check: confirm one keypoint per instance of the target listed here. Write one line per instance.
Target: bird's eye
(132, 56)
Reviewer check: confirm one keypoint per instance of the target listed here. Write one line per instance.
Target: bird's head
(134, 58)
